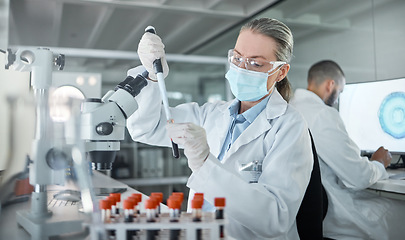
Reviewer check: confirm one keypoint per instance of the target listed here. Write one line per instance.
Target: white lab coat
(352, 213)
(278, 139)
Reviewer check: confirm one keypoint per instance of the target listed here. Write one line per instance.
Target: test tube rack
(208, 225)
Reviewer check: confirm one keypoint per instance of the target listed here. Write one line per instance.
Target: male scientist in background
(352, 213)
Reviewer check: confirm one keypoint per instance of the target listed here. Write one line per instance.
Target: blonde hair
(283, 36)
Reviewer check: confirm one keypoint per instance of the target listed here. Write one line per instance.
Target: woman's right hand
(150, 48)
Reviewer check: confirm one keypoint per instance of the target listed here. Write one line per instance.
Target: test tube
(113, 201)
(180, 196)
(106, 216)
(134, 207)
(219, 214)
(105, 206)
(138, 197)
(196, 213)
(159, 198)
(174, 211)
(128, 206)
(117, 197)
(128, 210)
(156, 199)
(150, 206)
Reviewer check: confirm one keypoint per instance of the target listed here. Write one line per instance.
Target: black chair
(314, 205)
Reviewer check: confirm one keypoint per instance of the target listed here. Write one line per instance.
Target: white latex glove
(151, 48)
(194, 140)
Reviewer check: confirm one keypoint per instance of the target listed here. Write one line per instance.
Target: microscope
(104, 121)
(99, 128)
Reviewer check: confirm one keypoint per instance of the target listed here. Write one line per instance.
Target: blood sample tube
(137, 196)
(128, 206)
(134, 206)
(159, 198)
(196, 213)
(105, 206)
(180, 196)
(128, 210)
(219, 214)
(113, 201)
(150, 206)
(106, 216)
(156, 199)
(174, 211)
(117, 197)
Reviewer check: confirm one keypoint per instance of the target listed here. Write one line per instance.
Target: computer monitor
(374, 114)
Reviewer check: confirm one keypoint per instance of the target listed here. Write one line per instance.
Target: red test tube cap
(133, 199)
(197, 203)
(199, 195)
(128, 204)
(158, 196)
(174, 203)
(137, 196)
(219, 202)
(180, 194)
(105, 204)
(117, 196)
(150, 203)
(112, 199)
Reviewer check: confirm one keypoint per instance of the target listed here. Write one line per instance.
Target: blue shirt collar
(250, 114)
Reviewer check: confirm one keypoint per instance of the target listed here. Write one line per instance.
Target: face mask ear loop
(272, 88)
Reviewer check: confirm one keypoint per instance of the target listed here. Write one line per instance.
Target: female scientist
(255, 150)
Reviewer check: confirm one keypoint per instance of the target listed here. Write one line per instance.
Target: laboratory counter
(393, 187)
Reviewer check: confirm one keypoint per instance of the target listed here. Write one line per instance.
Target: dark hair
(323, 70)
(282, 35)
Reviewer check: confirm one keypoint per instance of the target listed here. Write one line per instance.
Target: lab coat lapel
(275, 107)
(221, 129)
(259, 126)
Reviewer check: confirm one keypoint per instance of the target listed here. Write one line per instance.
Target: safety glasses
(253, 64)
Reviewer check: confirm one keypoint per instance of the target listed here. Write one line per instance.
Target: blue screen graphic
(374, 114)
(392, 114)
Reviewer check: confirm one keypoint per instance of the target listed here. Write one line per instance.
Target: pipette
(157, 64)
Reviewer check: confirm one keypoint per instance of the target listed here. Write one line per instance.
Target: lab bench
(393, 187)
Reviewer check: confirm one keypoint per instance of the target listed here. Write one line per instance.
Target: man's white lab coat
(352, 213)
(277, 141)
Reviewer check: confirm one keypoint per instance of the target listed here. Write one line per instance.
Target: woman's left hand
(194, 140)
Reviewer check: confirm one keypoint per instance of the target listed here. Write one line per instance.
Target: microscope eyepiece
(133, 85)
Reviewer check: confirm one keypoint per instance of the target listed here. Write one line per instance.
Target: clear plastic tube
(219, 214)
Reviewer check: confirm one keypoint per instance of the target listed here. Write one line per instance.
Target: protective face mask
(247, 85)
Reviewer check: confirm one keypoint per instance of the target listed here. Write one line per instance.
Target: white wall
(390, 40)
(373, 48)
(4, 13)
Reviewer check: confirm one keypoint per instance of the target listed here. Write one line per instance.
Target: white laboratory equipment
(96, 130)
(47, 161)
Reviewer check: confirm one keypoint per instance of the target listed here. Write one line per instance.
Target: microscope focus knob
(104, 128)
